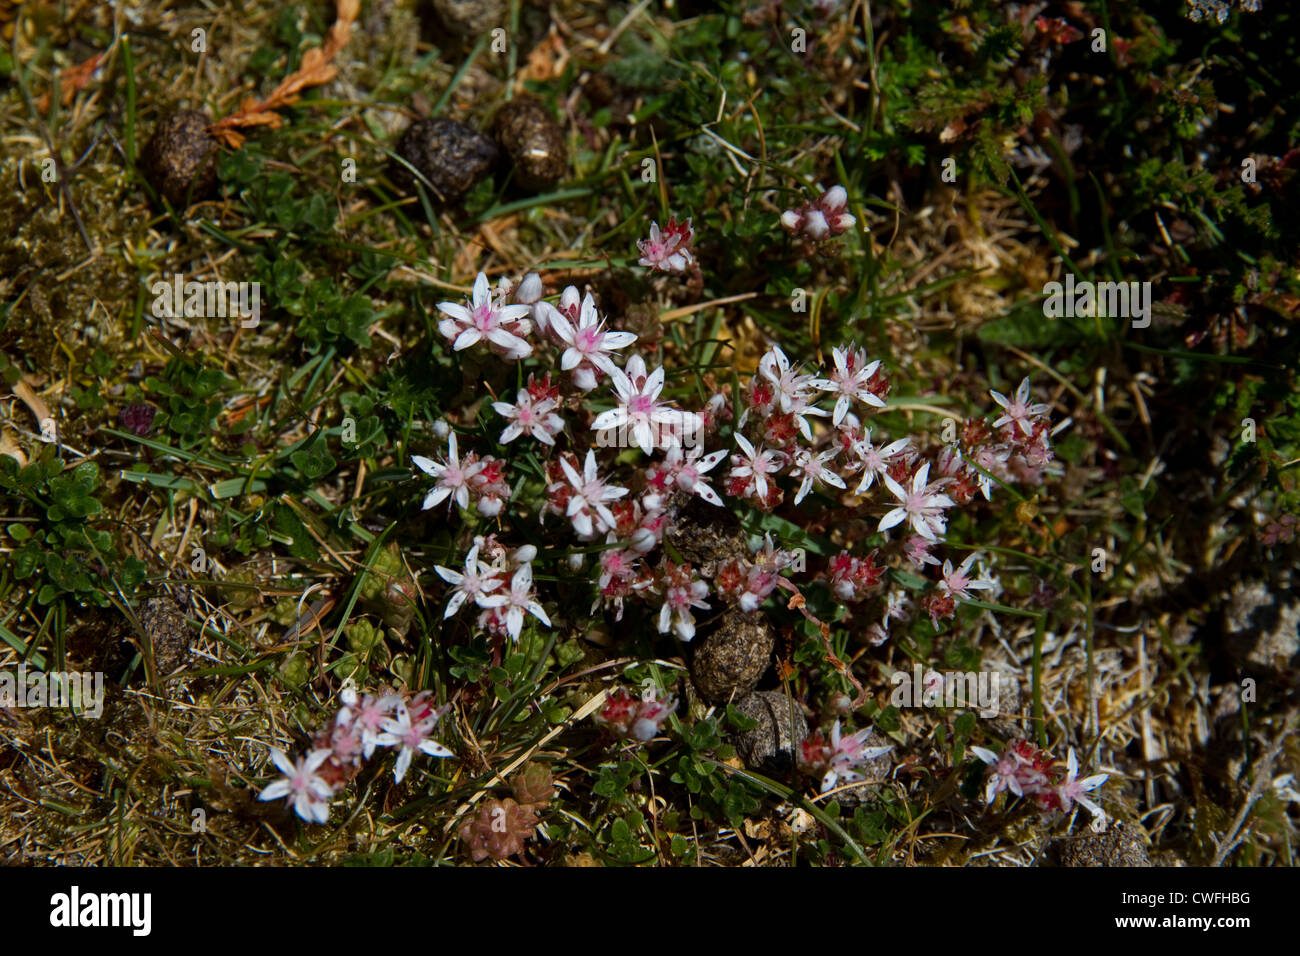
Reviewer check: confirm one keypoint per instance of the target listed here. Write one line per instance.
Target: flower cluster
(486, 319)
(1281, 531)
(779, 402)
(501, 586)
(533, 412)
(669, 249)
(462, 480)
(748, 581)
(914, 491)
(839, 759)
(823, 218)
(804, 431)
(639, 718)
(651, 423)
(784, 431)
(588, 346)
(797, 430)
(1026, 771)
(1017, 449)
(1057, 30)
(853, 579)
(583, 497)
(682, 592)
(685, 471)
(364, 722)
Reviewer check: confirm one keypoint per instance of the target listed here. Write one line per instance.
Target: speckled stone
(773, 745)
(534, 142)
(453, 157)
(729, 662)
(180, 159)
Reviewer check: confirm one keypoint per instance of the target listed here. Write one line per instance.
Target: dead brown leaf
(315, 70)
(73, 80)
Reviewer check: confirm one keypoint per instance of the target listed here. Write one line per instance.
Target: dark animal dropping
(180, 160)
(451, 156)
(534, 142)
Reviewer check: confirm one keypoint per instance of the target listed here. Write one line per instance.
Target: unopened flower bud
(530, 290)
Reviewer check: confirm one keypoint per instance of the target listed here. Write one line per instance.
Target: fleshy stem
(797, 603)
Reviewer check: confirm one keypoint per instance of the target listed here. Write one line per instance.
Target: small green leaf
(738, 720)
